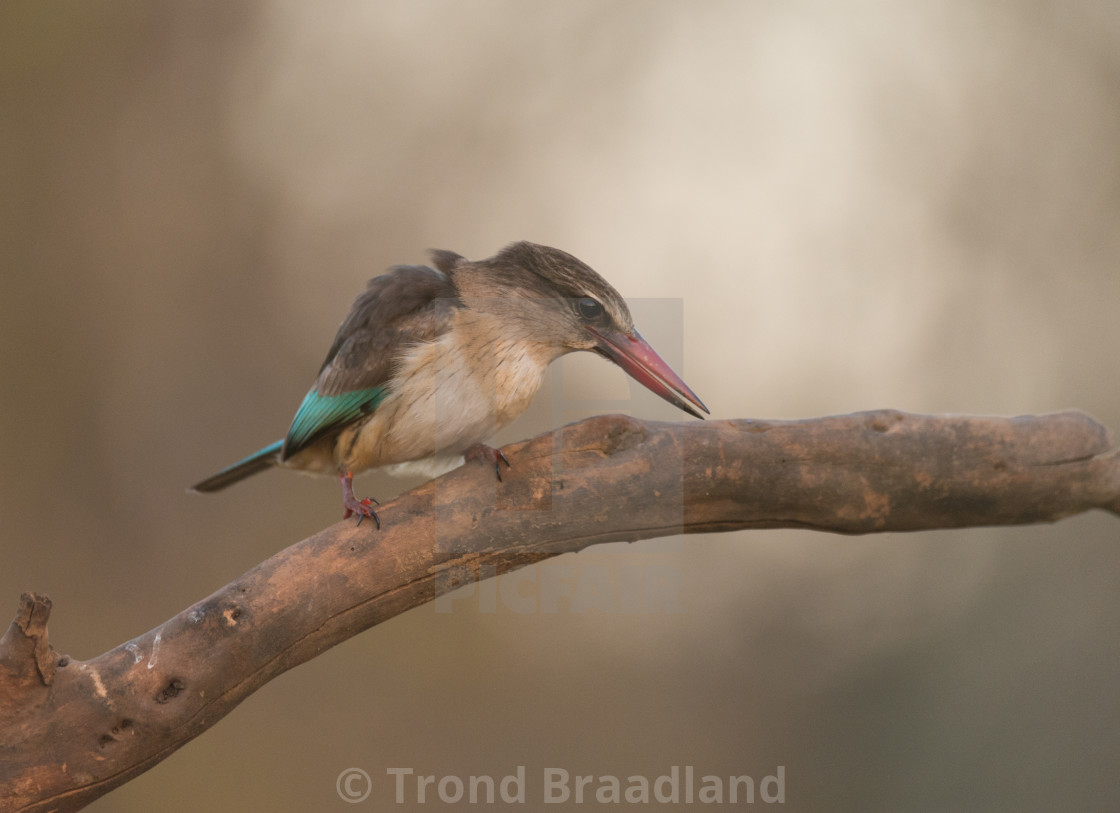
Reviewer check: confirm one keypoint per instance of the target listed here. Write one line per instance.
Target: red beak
(634, 355)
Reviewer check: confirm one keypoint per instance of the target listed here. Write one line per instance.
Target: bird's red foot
(363, 508)
(487, 454)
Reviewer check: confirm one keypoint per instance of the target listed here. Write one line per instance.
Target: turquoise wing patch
(319, 415)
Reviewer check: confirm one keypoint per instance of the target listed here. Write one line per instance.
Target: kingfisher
(430, 362)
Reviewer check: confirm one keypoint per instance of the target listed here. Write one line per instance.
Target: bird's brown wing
(408, 305)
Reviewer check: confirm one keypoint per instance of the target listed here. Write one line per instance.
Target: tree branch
(70, 731)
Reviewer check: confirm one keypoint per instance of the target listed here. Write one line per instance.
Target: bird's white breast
(446, 396)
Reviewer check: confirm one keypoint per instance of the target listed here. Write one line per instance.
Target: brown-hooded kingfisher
(429, 363)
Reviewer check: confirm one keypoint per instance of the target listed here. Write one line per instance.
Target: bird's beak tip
(634, 355)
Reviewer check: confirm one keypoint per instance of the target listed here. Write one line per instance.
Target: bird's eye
(589, 308)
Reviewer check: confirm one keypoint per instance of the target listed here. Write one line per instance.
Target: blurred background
(817, 208)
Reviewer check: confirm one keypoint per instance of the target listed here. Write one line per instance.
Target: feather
(266, 458)
(409, 305)
(320, 415)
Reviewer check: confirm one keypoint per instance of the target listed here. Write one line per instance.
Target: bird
(430, 362)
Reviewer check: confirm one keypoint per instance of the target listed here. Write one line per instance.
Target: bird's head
(549, 299)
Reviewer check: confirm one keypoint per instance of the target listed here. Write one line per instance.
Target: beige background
(819, 207)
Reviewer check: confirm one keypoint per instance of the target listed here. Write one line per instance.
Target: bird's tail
(266, 458)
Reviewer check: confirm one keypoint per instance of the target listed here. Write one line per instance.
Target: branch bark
(70, 731)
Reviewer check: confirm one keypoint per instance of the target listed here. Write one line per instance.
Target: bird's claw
(363, 508)
(373, 514)
(488, 454)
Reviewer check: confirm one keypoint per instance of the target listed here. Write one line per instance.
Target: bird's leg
(363, 508)
(487, 454)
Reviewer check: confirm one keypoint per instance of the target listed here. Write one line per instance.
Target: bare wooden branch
(70, 731)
